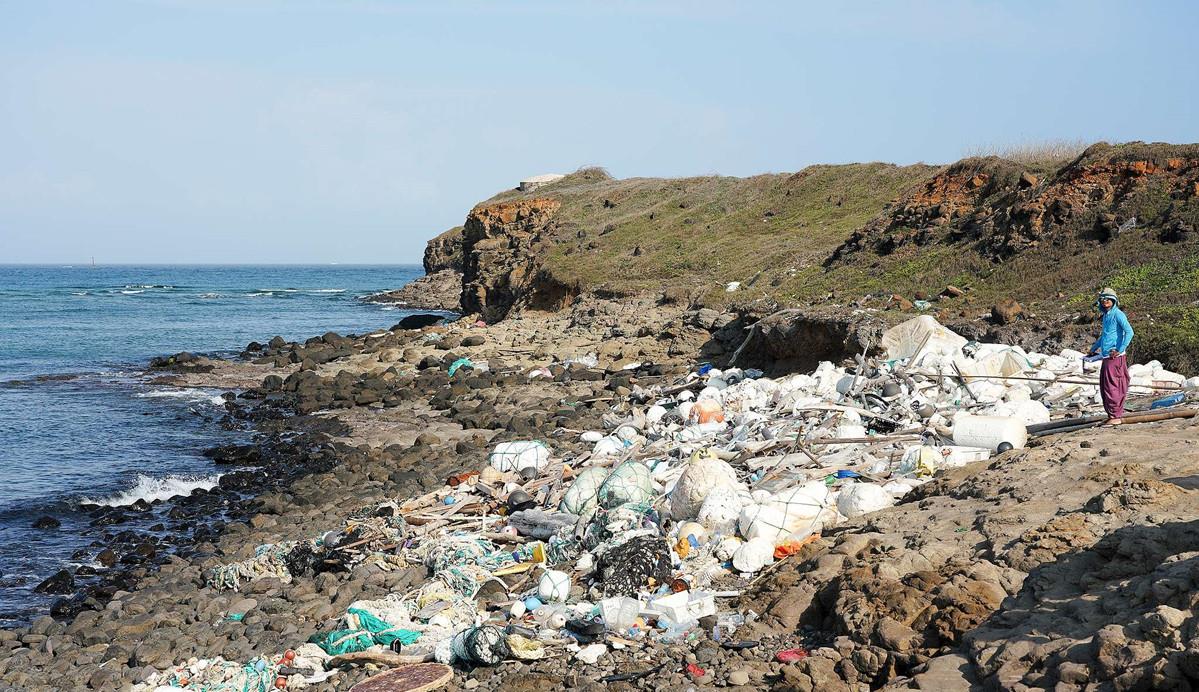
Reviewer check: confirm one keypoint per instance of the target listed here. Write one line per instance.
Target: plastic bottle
(549, 616)
(676, 631)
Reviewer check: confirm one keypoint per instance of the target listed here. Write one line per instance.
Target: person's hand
(1112, 353)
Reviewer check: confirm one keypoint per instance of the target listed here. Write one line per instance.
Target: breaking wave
(197, 395)
(152, 489)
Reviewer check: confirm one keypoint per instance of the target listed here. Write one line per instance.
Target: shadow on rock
(1119, 614)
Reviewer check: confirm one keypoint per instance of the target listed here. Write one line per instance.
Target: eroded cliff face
(503, 245)
(444, 252)
(1004, 209)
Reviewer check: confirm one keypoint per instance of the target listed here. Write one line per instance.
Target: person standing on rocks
(1112, 344)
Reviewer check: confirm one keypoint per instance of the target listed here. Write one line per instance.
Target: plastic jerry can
(989, 432)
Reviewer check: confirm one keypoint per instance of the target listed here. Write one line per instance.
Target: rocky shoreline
(936, 593)
(439, 290)
(98, 635)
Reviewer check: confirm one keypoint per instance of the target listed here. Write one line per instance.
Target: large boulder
(419, 321)
(796, 340)
(1006, 311)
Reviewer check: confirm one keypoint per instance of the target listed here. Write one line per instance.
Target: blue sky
(354, 130)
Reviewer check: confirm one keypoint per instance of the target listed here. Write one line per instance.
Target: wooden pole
(1093, 421)
(1166, 388)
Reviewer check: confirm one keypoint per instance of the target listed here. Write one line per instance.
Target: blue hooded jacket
(1117, 332)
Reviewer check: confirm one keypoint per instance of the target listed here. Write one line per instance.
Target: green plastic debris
(461, 363)
(370, 630)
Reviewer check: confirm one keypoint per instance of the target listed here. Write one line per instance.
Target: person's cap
(1107, 293)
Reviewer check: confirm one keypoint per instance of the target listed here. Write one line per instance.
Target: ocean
(79, 420)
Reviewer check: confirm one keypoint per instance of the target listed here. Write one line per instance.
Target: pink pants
(1113, 385)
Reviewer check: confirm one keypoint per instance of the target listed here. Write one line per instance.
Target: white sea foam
(78, 293)
(196, 395)
(260, 294)
(210, 295)
(328, 290)
(150, 489)
(129, 293)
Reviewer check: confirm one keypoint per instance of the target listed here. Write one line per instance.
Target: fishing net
(219, 675)
(484, 645)
(270, 560)
(639, 563)
(365, 630)
(629, 483)
(583, 494)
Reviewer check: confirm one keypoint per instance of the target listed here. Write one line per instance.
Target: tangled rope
(270, 560)
(219, 675)
(364, 631)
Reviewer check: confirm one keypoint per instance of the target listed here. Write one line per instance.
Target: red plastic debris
(791, 655)
(695, 671)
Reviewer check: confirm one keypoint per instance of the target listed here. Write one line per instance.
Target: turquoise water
(78, 419)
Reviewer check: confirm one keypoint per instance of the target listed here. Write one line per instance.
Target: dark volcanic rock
(61, 582)
(243, 455)
(419, 321)
(436, 291)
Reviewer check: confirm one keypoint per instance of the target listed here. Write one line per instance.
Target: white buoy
(554, 586)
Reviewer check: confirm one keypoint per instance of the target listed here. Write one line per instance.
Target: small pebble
(738, 677)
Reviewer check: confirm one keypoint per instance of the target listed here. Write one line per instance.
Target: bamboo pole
(1165, 388)
(1093, 421)
(878, 439)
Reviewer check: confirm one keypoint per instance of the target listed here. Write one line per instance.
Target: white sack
(862, 498)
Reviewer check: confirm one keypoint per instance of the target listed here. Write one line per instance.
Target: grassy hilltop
(1047, 231)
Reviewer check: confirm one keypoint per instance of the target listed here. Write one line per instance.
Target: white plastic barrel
(989, 431)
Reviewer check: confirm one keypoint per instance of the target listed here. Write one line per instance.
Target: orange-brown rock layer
(1002, 209)
(503, 245)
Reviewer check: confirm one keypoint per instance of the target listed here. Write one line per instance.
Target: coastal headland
(1068, 564)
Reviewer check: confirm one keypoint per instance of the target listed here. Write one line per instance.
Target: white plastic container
(620, 612)
(684, 606)
(990, 432)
